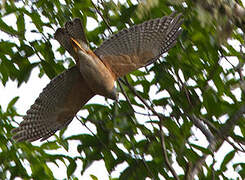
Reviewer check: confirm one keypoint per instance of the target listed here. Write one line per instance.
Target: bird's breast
(98, 77)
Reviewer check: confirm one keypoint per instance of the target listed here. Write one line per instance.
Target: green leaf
(49, 69)
(12, 102)
(239, 167)
(228, 157)
(8, 29)
(71, 167)
(36, 19)
(25, 72)
(93, 177)
(202, 149)
(21, 25)
(50, 145)
(6, 47)
(64, 144)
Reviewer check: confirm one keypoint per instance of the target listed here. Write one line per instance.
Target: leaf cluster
(197, 87)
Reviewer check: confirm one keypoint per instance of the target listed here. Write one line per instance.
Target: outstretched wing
(139, 45)
(55, 107)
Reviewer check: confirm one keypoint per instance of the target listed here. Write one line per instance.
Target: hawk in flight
(95, 71)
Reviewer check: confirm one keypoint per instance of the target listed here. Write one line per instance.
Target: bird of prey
(95, 72)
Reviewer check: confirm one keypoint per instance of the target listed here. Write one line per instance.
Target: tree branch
(101, 15)
(160, 127)
(160, 116)
(223, 133)
(164, 152)
(198, 123)
(231, 122)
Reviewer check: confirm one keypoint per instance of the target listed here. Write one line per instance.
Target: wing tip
(21, 135)
(59, 33)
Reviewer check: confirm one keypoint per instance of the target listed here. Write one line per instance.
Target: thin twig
(144, 114)
(184, 87)
(84, 124)
(164, 153)
(241, 149)
(129, 102)
(125, 95)
(161, 132)
(223, 56)
(209, 124)
(101, 15)
(141, 99)
(147, 167)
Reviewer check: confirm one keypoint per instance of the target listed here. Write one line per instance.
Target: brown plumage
(95, 72)
(55, 107)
